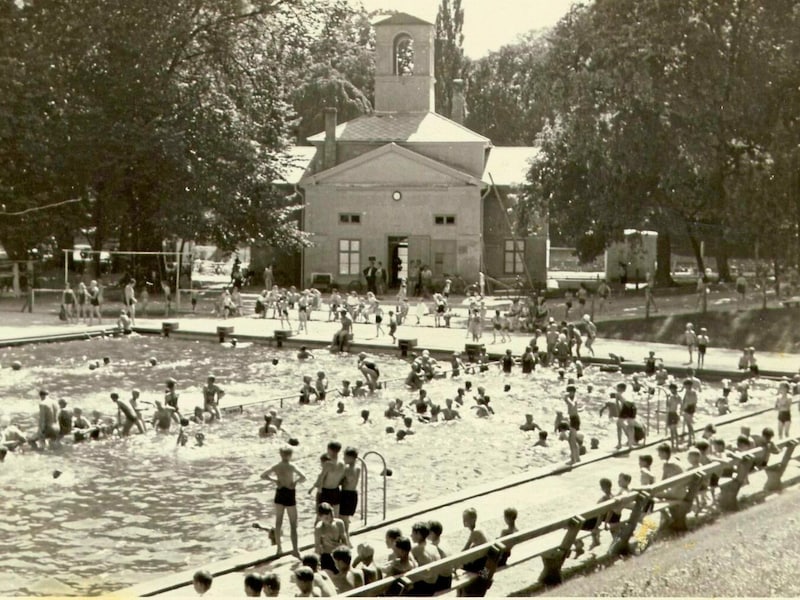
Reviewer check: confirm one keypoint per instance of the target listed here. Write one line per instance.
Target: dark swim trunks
(673, 418)
(330, 495)
(690, 409)
(784, 416)
(348, 503)
(575, 422)
(285, 496)
(627, 410)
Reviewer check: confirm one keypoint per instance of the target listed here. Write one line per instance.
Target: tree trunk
(99, 233)
(723, 268)
(663, 275)
(698, 255)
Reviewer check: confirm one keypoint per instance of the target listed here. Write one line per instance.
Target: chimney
(459, 103)
(329, 148)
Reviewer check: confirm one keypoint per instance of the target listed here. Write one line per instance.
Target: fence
(673, 498)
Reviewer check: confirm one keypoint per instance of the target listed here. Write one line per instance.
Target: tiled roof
(401, 19)
(299, 162)
(402, 127)
(509, 165)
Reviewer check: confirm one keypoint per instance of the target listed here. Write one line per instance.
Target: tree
(336, 69)
(658, 107)
(449, 61)
(165, 119)
(505, 93)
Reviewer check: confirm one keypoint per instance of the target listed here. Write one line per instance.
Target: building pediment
(391, 165)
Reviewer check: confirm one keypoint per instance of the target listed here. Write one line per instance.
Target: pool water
(125, 510)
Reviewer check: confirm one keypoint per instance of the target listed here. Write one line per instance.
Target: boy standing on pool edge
(286, 477)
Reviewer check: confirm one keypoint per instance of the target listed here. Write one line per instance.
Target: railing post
(478, 587)
(729, 491)
(620, 546)
(679, 508)
(775, 472)
(553, 560)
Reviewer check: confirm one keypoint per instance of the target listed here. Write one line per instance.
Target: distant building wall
(445, 247)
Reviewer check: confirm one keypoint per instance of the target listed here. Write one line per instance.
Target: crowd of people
(57, 421)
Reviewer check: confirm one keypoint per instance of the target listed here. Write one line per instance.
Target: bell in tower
(404, 79)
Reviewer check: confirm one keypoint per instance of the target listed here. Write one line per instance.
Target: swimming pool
(128, 509)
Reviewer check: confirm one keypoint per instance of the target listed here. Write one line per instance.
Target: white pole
(178, 282)
(66, 267)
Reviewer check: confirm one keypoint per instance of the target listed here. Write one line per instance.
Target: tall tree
(336, 69)
(166, 119)
(449, 61)
(659, 108)
(506, 92)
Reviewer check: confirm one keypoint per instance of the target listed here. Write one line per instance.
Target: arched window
(403, 55)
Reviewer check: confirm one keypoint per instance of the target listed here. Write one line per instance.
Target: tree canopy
(668, 115)
(164, 119)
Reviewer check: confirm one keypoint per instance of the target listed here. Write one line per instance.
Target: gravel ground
(751, 553)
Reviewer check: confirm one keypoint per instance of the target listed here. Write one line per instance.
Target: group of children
(334, 568)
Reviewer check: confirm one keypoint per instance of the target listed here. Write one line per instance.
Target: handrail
(365, 484)
(621, 502)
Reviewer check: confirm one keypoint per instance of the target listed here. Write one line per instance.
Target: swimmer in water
(449, 413)
(134, 402)
(321, 385)
(307, 390)
(200, 417)
(267, 429)
(47, 431)
(392, 411)
(64, 418)
(212, 394)
(170, 396)
(304, 354)
(359, 391)
(163, 416)
(345, 392)
(529, 425)
(370, 371)
(126, 415)
(286, 477)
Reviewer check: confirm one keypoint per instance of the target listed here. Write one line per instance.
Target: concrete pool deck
(720, 362)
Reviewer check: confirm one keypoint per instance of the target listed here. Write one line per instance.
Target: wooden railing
(674, 496)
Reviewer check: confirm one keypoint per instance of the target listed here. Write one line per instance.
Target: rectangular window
(514, 257)
(349, 218)
(349, 257)
(444, 219)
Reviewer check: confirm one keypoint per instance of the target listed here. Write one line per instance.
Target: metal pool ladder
(365, 484)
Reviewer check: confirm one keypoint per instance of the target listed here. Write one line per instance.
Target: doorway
(398, 259)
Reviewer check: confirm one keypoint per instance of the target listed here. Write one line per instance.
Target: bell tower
(404, 80)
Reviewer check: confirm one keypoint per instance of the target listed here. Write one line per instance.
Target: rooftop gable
(509, 165)
(403, 127)
(401, 19)
(389, 165)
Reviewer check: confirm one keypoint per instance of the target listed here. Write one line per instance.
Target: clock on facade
(397, 195)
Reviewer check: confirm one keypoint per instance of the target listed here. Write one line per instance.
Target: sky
(488, 24)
